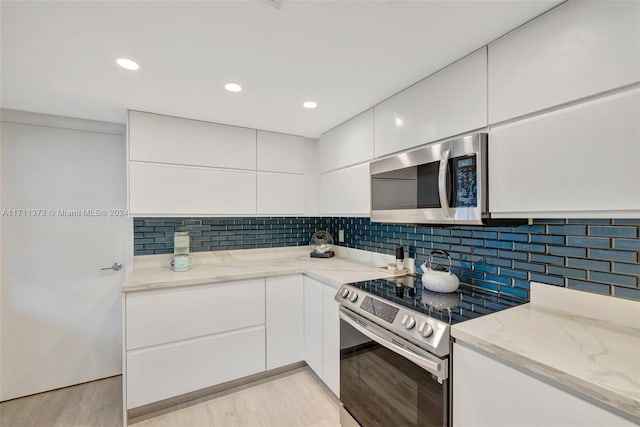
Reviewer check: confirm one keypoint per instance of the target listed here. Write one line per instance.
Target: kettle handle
(439, 252)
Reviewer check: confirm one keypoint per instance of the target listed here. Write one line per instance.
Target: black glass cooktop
(466, 303)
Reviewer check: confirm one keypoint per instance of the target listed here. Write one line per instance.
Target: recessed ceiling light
(310, 104)
(233, 87)
(127, 64)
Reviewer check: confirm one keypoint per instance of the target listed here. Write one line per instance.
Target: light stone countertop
(584, 343)
(349, 265)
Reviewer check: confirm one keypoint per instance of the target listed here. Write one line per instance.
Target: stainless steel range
(394, 348)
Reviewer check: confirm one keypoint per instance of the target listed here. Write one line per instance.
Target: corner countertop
(585, 343)
(349, 265)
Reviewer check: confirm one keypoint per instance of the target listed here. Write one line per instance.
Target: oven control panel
(424, 331)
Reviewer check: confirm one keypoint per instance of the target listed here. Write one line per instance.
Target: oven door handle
(430, 365)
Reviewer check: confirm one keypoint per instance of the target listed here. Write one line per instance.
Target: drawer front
(167, 315)
(168, 371)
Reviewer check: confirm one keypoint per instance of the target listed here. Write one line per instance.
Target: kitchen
(280, 213)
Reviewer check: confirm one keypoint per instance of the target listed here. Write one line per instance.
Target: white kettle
(438, 278)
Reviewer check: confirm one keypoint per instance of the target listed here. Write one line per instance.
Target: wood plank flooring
(97, 403)
(294, 398)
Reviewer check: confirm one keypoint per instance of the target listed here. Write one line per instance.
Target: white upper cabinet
(582, 161)
(578, 49)
(346, 192)
(279, 152)
(280, 194)
(449, 102)
(186, 191)
(165, 139)
(348, 144)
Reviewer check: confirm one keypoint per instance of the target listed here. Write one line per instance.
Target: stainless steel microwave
(440, 183)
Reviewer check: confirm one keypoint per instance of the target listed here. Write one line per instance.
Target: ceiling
(59, 57)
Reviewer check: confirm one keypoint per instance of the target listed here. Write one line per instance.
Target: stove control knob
(425, 330)
(353, 297)
(344, 293)
(408, 321)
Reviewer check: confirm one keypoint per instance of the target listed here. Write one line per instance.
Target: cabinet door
(331, 340)
(582, 161)
(280, 193)
(575, 50)
(285, 320)
(166, 139)
(167, 371)
(449, 102)
(347, 144)
(167, 315)
(279, 152)
(184, 191)
(313, 333)
(346, 192)
(489, 393)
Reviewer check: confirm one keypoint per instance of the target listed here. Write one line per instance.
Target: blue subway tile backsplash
(594, 255)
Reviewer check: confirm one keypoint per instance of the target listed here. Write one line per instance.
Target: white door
(313, 334)
(61, 315)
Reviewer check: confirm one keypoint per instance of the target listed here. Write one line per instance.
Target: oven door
(386, 381)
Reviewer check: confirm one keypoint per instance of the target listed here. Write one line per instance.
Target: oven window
(381, 388)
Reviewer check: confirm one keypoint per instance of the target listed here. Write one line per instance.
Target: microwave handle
(442, 183)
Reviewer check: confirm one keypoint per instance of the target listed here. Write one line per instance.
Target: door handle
(442, 183)
(116, 266)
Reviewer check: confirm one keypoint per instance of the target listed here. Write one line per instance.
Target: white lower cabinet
(173, 369)
(489, 393)
(331, 339)
(284, 320)
(184, 339)
(313, 335)
(322, 332)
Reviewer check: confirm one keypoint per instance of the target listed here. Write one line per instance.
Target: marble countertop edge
(609, 399)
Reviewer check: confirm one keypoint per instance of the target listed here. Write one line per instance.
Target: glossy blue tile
(544, 278)
(604, 254)
(630, 293)
(522, 256)
(547, 259)
(496, 244)
(567, 250)
(620, 267)
(513, 273)
(529, 266)
(597, 288)
(547, 238)
(485, 234)
(626, 244)
(568, 230)
(615, 279)
(589, 242)
(567, 272)
(520, 293)
(514, 237)
(613, 231)
(589, 264)
(529, 247)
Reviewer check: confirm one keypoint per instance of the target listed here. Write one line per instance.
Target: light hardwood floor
(294, 398)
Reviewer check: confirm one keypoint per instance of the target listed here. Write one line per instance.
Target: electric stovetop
(465, 303)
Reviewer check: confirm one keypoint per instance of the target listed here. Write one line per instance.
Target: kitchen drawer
(167, 315)
(174, 369)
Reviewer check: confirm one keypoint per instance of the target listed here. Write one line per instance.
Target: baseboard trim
(161, 407)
